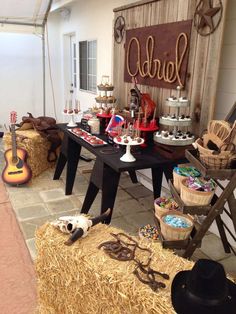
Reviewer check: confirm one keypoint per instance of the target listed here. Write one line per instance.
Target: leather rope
(125, 251)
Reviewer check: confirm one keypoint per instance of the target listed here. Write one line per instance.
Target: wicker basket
(222, 160)
(193, 197)
(177, 178)
(160, 210)
(217, 162)
(172, 233)
(147, 239)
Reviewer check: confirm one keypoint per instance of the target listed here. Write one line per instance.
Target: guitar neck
(13, 138)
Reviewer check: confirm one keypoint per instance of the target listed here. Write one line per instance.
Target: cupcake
(183, 99)
(172, 98)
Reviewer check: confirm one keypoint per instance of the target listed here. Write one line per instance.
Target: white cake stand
(128, 157)
(72, 122)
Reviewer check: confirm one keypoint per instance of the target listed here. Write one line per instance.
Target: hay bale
(83, 279)
(36, 147)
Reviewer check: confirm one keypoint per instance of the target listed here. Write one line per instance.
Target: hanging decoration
(157, 60)
(207, 17)
(119, 29)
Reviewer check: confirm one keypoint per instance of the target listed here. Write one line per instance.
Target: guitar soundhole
(17, 162)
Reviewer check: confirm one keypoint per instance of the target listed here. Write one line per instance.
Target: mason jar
(94, 124)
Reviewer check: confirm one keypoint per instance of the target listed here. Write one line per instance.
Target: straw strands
(83, 279)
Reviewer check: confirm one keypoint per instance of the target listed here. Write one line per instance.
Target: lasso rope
(170, 70)
(125, 251)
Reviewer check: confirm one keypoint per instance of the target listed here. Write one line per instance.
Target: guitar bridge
(15, 172)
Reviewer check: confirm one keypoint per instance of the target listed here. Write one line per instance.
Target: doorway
(70, 66)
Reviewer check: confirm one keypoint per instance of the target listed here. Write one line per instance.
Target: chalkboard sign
(231, 116)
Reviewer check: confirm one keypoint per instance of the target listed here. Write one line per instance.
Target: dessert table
(107, 168)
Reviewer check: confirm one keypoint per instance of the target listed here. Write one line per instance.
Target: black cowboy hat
(203, 290)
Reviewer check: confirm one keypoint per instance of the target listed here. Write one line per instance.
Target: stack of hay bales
(36, 146)
(82, 279)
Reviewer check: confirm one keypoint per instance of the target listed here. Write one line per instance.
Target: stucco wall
(21, 74)
(21, 59)
(90, 20)
(20, 68)
(226, 91)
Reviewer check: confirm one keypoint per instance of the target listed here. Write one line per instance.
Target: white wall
(21, 59)
(54, 54)
(21, 74)
(91, 20)
(226, 91)
(20, 69)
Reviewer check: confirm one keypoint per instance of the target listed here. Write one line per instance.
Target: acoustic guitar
(16, 171)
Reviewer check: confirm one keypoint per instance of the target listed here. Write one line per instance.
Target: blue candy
(175, 221)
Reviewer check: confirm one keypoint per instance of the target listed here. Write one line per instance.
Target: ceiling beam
(20, 23)
(134, 5)
(47, 12)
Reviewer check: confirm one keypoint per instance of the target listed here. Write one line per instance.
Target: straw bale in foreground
(36, 147)
(83, 279)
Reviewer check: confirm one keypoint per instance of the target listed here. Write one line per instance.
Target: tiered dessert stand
(105, 97)
(177, 123)
(106, 101)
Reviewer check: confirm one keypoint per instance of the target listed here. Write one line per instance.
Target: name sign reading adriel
(158, 55)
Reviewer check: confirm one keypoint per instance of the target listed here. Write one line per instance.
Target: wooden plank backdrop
(204, 57)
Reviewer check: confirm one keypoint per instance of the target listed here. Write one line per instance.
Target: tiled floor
(43, 199)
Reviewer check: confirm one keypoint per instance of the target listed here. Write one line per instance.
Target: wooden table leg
(73, 154)
(109, 191)
(90, 196)
(61, 162)
(157, 175)
(105, 178)
(133, 176)
(62, 159)
(168, 171)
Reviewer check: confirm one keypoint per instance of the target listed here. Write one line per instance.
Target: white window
(88, 65)
(73, 64)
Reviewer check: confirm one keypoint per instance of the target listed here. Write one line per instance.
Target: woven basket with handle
(221, 160)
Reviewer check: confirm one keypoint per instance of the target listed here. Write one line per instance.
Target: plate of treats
(79, 132)
(88, 137)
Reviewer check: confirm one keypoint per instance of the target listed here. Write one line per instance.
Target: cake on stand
(70, 112)
(72, 115)
(128, 141)
(72, 108)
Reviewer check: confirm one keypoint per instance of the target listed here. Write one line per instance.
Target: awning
(24, 15)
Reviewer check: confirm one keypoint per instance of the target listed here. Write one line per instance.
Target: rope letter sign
(158, 55)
